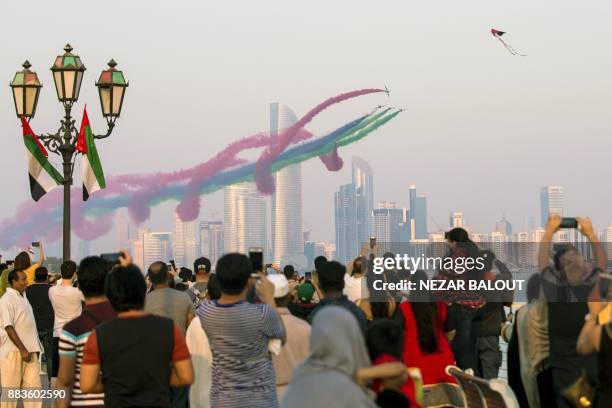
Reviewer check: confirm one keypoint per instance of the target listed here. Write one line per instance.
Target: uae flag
(93, 176)
(43, 176)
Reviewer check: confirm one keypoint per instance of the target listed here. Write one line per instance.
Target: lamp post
(68, 71)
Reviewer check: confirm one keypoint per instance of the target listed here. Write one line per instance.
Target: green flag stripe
(92, 156)
(40, 158)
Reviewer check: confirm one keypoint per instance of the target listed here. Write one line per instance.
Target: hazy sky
(482, 130)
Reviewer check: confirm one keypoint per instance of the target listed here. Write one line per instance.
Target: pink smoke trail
(263, 176)
(332, 160)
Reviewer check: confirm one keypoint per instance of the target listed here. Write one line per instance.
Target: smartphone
(308, 276)
(567, 222)
(111, 258)
(372, 242)
(256, 257)
(35, 244)
(605, 287)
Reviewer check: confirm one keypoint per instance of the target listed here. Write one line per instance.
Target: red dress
(432, 365)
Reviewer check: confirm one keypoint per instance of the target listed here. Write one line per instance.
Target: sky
(482, 130)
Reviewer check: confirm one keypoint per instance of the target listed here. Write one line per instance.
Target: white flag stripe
(89, 178)
(39, 174)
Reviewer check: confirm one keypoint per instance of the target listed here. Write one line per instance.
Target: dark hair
(426, 317)
(533, 287)
(22, 261)
(68, 269)
(13, 275)
(489, 259)
(185, 274)
(91, 275)
(201, 261)
(319, 261)
(181, 287)
(233, 273)
(457, 235)
(358, 265)
(561, 250)
(40, 274)
(331, 276)
(3, 266)
(384, 336)
(158, 273)
(289, 271)
(125, 288)
(213, 288)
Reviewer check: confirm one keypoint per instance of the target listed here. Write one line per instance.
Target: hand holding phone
(256, 257)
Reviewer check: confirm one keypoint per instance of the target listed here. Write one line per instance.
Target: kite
(498, 34)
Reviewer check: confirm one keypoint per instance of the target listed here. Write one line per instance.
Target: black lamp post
(68, 73)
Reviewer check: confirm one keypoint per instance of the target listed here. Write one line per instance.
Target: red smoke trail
(263, 176)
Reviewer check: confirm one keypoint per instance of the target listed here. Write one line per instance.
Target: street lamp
(68, 71)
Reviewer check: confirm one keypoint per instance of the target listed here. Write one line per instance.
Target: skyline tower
(244, 218)
(286, 204)
(347, 244)
(363, 183)
(211, 240)
(552, 201)
(184, 242)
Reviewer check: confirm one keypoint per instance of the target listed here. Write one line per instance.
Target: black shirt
(38, 296)
(344, 302)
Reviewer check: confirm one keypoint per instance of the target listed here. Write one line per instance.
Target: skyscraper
(244, 218)
(184, 246)
(386, 222)
(503, 226)
(157, 246)
(456, 220)
(123, 230)
(363, 183)
(552, 201)
(418, 215)
(286, 205)
(211, 240)
(347, 243)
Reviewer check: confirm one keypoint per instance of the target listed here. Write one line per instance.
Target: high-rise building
(244, 218)
(552, 201)
(347, 242)
(123, 230)
(286, 204)
(138, 248)
(456, 220)
(607, 241)
(184, 246)
(386, 223)
(157, 246)
(503, 226)
(211, 240)
(418, 215)
(363, 183)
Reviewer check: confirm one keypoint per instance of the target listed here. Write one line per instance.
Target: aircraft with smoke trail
(139, 193)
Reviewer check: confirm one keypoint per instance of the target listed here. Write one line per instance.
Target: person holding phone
(238, 331)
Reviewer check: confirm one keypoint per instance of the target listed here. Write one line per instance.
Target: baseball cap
(281, 285)
(305, 292)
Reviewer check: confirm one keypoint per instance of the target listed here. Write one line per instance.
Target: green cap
(305, 292)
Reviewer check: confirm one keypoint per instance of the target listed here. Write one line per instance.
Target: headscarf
(337, 351)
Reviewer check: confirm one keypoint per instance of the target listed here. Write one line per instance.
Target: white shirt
(66, 302)
(16, 311)
(355, 288)
(201, 357)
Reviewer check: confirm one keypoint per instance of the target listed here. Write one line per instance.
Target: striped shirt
(72, 342)
(242, 370)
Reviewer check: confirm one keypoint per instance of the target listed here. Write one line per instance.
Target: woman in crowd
(425, 344)
(331, 375)
(354, 283)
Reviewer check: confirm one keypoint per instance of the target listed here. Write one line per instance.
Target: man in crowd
(91, 276)
(67, 301)
(38, 296)
(20, 348)
(303, 305)
(330, 278)
(566, 285)
(173, 304)
(242, 372)
(201, 266)
(296, 348)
